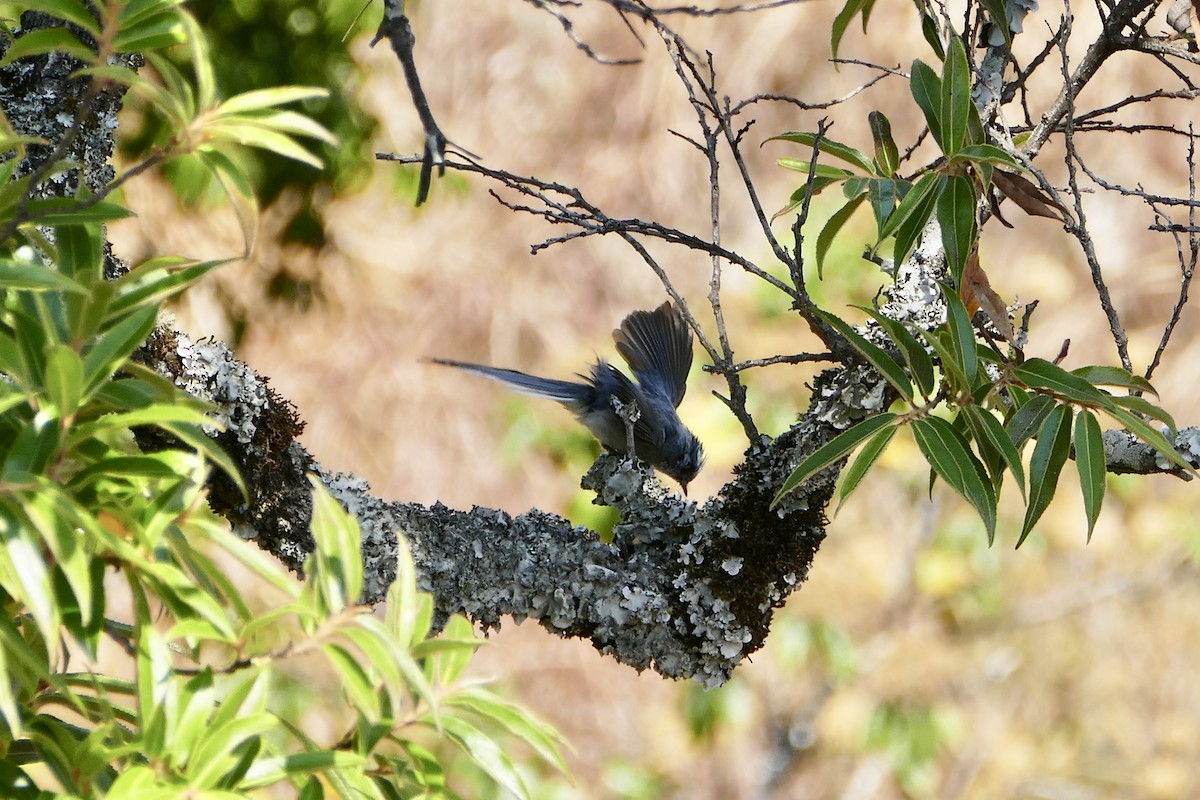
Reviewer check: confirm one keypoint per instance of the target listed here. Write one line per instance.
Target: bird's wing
(657, 345)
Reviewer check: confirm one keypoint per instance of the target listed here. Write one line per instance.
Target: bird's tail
(563, 391)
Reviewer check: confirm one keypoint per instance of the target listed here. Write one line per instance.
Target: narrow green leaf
(987, 154)
(914, 200)
(354, 682)
(886, 195)
(269, 98)
(1049, 454)
(1142, 430)
(962, 336)
(926, 89)
(150, 285)
(950, 457)
(822, 170)
(36, 277)
(47, 40)
(947, 354)
(887, 155)
(842, 21)
(64, 211)
(986, 428)
(71, 11)
(1037, 373)
(929, 30)
(920, 365)
(999, 15)
(837, 448)
(1114, 376)
(64, 379)
(955, 97)
(514, 719)
(828, 146)
(828, 234)
(863, 462)
(114, 346)
(1144, 407)
(452, 662)
(876, 356)
(1028, 419)
(338, 543)
(154, 33)
(486, 753)
(956, 204)
(1089, 458)
(262, 138)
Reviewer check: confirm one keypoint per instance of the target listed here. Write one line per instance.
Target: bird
(619, 411)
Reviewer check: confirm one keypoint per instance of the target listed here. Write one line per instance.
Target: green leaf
(950, 457)
(999, 15)
(1114, 376)
(962, 336)
(947, 354)
(269, 98)
(486, 753)
(112, 348)
(929, 30)
(986, 428)
(452, 662)
(514, 719)
(828, 146)
(863, 462)
(1038, 373)
(354, 682)
(1143, 406)
(1089, 458)
(955, 97)
(987, 154)
(956, 203)
(876, 356)
(272, 141)
(338, 548)
(920, 365)
(36, 277)
(886, 195)
(913, 201)
(1028, 419)
(822, 170)
(153, 33)
(842, 21)
(1139, 428)
(834, 450)
(47, 40)
(1049, 454)
(71, 11)
(926, 88)
(67, 211)
(829, 233)
(156, 281)
(266, 771)
(887, 155)
(26, 579)
(80, 250)
(64, 379)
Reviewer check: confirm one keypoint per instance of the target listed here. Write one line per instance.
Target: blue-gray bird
(657, 345)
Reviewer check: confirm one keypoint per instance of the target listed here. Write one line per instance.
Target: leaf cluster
(86, 515)
(972, 411)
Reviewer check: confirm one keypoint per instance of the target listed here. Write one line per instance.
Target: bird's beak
(684, 487)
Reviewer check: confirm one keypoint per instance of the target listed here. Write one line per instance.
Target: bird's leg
(629, 414)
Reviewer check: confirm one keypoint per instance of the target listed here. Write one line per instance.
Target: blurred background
(916, 662)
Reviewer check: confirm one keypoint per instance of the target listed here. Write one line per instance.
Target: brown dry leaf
(977, 295)
(1028, 195)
